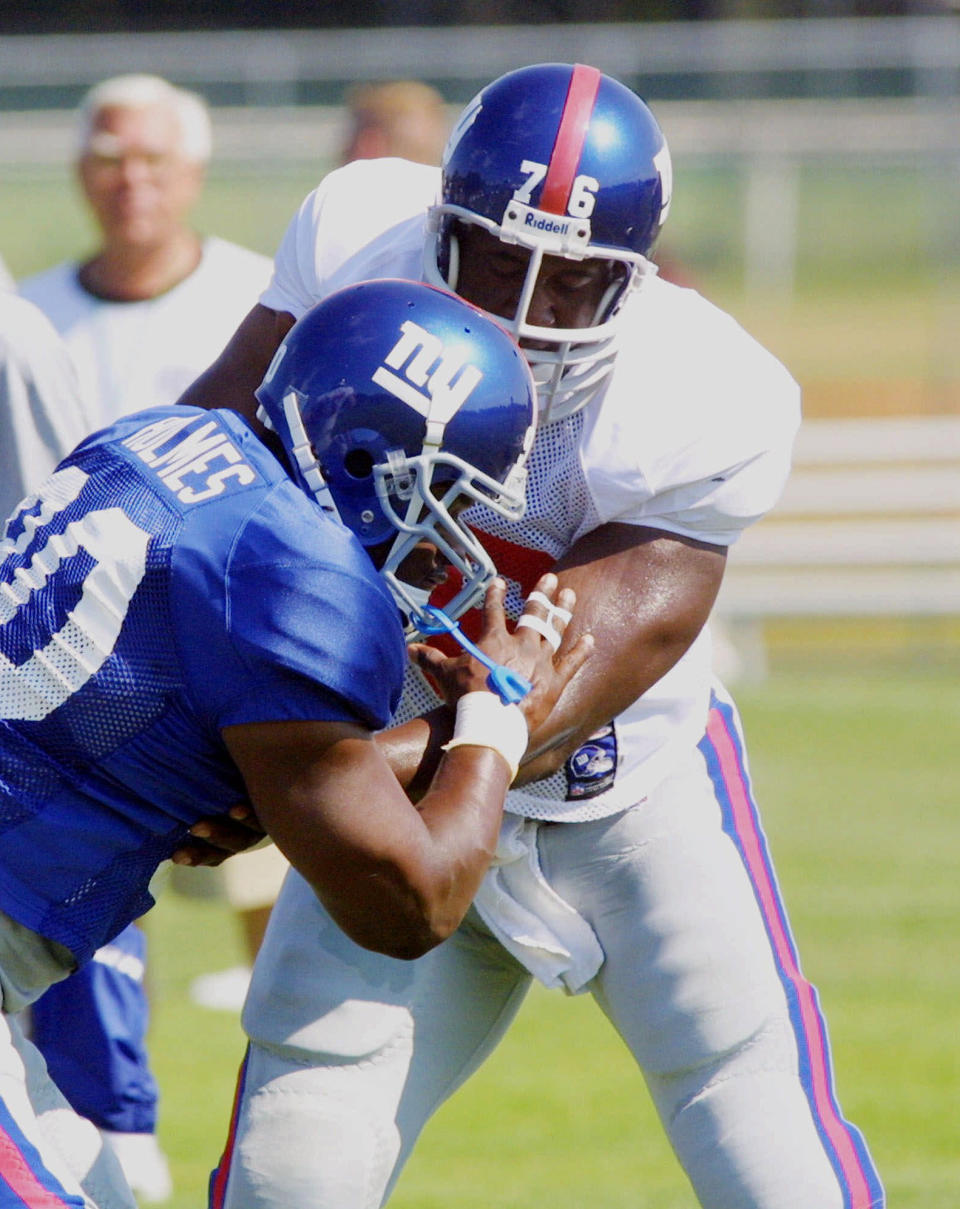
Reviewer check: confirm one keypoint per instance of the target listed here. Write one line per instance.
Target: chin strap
(301, 450)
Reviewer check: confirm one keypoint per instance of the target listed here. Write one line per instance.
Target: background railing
(817, 163)
(908, 56)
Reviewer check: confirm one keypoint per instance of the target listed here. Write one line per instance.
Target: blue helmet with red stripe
(561, 160)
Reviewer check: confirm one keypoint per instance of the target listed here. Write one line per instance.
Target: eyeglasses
(156, 163)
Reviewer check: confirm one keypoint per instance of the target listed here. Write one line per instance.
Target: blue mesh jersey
(168, 580)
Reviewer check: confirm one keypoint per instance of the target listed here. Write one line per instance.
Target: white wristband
(484, 721)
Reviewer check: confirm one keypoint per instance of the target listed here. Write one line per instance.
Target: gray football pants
(352, 1052)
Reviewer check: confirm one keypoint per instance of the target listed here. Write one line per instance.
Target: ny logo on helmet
(435, 382)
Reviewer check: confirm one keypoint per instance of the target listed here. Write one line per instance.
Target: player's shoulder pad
(305, 595)
(379, 192)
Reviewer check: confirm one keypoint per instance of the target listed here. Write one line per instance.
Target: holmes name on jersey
(175, 456)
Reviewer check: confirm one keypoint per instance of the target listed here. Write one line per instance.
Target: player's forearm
(461, 812)
(232, 379)
(414, 749)
(455, 834)
(644, 595)
(611, 684)
(406, 895)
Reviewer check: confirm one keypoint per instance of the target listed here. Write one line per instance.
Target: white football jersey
(691, 435)
(134, 355)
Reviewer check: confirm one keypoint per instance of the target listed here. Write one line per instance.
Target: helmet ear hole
(358, 463)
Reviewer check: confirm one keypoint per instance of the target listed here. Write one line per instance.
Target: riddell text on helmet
(546, 224)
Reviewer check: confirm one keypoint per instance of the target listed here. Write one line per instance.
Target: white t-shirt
(692, 435)
(41, 415)
(132, 355)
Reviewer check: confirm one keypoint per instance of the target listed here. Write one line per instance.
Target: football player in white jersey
(632, 865)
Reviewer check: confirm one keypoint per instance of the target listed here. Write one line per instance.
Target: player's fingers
(427, 658)
(546, 586)
(494, 617)
(197, 853)
(566, 599)
(244, 813)
(570, 662)
(547, 611)
(227, 835)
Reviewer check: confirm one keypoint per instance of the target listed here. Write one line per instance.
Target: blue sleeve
(91, 1029)
(283, 618)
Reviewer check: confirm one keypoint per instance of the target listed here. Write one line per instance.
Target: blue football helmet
(564, 161)
(394, 401)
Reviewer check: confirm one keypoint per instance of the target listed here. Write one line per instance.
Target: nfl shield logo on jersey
(592, 767)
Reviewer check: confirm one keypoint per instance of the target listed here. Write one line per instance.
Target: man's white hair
(139, 91)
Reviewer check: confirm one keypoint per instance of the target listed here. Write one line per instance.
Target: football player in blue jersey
(191, 615)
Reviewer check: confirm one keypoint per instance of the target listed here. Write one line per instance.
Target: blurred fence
(818, 161)
(763, 146)
(915, 56)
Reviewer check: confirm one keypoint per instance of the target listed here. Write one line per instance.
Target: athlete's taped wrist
(484, 721)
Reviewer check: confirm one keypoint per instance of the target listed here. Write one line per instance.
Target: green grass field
(857, 773)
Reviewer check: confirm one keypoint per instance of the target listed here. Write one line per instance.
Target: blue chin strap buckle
(509, 686)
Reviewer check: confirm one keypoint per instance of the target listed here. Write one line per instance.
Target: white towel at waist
(529, 918)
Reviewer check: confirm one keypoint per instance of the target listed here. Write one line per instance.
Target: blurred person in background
(156, 300)
(405, 118)
(632, 864)
(41, 416)
(140, 317)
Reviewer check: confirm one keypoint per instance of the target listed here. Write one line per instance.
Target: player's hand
(530, 649)
(215, 838)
